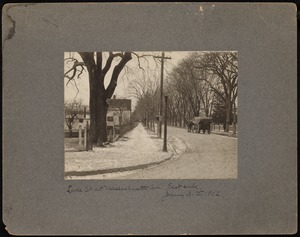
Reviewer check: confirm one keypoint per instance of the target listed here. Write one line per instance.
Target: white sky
(124, 79)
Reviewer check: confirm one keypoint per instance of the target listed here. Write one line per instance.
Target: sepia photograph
(151, 115)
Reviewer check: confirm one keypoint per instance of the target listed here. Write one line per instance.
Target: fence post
(88, 144)
(80, 136)
(85, 137)
(113, 132)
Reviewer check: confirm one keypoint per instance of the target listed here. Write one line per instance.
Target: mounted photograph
(151, 115)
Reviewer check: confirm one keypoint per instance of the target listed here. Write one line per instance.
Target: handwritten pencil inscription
(168, 192)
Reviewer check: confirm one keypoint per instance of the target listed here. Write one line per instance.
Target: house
(120, 108)
(118, 114)
(81, 119)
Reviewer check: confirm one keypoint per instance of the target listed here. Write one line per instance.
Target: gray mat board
(262, 200)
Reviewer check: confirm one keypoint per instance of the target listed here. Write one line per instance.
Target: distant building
(119, 113)
(80, 119)
(120, 108)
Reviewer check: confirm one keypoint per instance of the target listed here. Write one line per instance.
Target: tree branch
(99, 60)
(109, 62)
(114, 78)
(88, 59)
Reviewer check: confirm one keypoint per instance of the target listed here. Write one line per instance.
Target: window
(110, 118)
(81, 120)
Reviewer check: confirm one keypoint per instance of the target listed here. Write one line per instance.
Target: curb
(226, 135)
(113, 170)
(120, 169)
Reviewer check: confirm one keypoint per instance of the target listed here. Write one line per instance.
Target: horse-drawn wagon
(198, 124)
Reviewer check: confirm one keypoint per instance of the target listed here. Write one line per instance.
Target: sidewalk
(228, 134)
(135, 151)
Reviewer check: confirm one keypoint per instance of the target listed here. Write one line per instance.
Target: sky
(132, 71)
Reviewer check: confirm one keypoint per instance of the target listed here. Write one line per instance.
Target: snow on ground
(138, 149)
(196, 156)
(203, 156)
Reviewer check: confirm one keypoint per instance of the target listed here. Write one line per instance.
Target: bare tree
(72, 109)
(146, 90)
(188, 95)
(97, 70)
(97, 66)
(221, 66)
(184, 84)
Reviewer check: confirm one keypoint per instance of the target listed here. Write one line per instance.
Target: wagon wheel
(195, 128)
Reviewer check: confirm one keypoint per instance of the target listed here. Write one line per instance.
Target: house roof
(114, 104)
(124, 104)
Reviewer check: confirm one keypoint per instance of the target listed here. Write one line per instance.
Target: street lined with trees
(202, 84)
(199, 87)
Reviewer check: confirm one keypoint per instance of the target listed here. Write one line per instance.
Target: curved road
(199, 156)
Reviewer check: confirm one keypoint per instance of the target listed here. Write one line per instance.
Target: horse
(189, 125)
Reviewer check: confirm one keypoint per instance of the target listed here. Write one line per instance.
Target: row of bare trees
(72, 109)
(146, 90)
(198, 83)
(202, 84)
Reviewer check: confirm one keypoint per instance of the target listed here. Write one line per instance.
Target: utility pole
(162, 57)
(165, 124)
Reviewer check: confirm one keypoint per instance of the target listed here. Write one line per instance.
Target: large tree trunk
(98, 108)
(93, 95)
(98, 93)
(101, 132)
